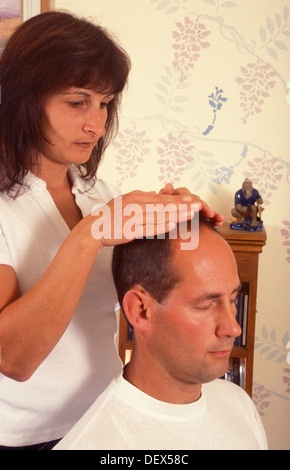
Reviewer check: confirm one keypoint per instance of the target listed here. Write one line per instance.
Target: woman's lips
(85, 145)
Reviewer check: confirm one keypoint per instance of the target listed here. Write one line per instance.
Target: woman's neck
(54, 174)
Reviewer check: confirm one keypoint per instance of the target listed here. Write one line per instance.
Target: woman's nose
(95, 124)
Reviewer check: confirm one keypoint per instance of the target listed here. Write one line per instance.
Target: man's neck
(161, 386)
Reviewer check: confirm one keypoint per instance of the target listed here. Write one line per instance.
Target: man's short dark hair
(147, 262)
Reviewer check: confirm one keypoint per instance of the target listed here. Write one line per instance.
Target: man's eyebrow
(216, 295)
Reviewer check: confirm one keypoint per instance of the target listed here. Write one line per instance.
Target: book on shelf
(242, 302)
(236, 371)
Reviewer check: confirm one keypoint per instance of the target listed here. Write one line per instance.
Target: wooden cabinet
(246, 247)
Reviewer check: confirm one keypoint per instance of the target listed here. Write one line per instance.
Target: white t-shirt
(85, 360)
(125, 418)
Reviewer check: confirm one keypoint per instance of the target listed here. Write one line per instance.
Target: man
(181, 305)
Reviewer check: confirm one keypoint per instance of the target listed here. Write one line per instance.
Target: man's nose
(227, 323)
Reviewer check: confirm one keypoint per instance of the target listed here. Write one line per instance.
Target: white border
(30, 8)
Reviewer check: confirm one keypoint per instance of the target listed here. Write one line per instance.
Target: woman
(61, 83)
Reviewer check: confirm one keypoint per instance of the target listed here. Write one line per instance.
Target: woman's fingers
(140, 214)
(215, 218)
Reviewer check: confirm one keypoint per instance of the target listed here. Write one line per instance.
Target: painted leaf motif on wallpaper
(259, 396)
(285, 232)
(217, 4)
(286, 379)
(170, 92)
(189, 40)
(256, 82)
(216, 100)
(273, 34)
(174, 152)
(267, 344)
(265, 173)
(203, 169)
(224, 173)
(132, 146)
(169, 6)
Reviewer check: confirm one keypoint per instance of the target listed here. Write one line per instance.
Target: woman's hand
(215, 218)
(140, 214)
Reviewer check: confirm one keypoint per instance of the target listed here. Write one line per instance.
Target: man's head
(185, 335)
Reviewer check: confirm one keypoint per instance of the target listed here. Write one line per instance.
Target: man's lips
(221, 353)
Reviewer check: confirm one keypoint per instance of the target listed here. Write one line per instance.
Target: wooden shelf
(241, 352)
(246, 247)
(45, 5)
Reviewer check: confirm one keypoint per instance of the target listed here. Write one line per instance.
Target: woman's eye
(104, 105)
(108, 100)
(76, 104)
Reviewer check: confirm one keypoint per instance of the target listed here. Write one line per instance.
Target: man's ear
(137, 305)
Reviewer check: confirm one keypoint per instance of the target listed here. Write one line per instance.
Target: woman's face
(75, 121)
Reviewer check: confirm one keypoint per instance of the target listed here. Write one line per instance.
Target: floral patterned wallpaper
(208, 104)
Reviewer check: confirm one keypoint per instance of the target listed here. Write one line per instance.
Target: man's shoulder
(227, 395)
(226, 390)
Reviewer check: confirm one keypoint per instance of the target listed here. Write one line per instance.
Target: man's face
(193, 332)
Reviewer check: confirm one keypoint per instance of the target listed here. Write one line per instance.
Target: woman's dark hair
(46, 54)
